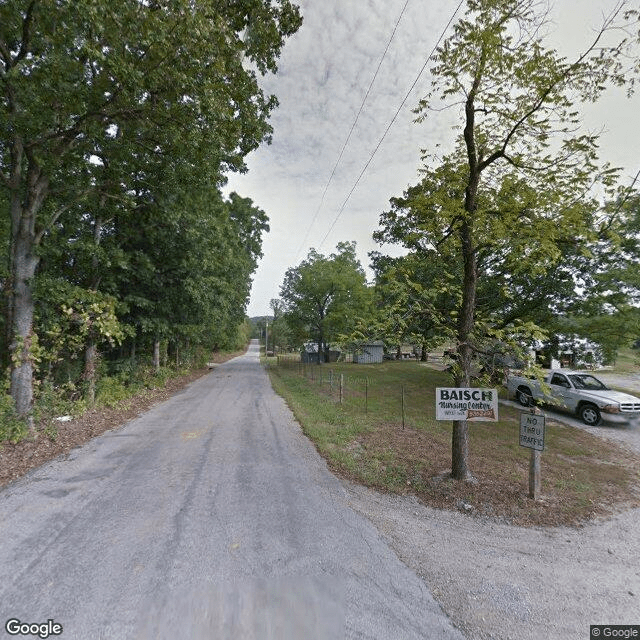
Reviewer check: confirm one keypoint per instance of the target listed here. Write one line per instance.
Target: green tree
(513, 188)
(85, 80)
(411, 305)
(607, 307)
(280, 334)
(325, 296)
(188, 268)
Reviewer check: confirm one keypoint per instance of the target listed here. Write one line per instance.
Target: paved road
(211, 516)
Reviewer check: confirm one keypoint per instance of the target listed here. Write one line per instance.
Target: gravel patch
(629, 381)
(504, 582)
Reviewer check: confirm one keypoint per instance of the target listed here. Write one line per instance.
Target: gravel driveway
(503, 582)
(630, 381)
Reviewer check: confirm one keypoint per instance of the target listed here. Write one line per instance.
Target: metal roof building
(371, 353)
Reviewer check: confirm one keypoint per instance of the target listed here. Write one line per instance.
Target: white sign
(532, 431)
(477, 405)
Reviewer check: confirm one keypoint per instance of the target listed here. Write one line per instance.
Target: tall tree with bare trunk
(516, 101)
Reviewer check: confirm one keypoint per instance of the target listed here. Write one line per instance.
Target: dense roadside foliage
(118, 123)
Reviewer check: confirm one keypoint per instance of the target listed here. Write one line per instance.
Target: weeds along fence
(402, 399)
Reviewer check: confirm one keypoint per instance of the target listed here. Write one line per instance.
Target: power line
(384, 135)
(353, 126)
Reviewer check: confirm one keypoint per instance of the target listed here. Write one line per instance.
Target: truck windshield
(585, 381)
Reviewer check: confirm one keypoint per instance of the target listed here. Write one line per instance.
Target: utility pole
(266, 337)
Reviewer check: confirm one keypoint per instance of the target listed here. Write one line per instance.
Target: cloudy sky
(324, 74)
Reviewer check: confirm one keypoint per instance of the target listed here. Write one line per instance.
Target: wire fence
(397, 398)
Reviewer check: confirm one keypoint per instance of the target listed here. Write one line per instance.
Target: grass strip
(362, 438)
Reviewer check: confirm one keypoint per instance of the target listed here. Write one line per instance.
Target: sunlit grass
(363, 438)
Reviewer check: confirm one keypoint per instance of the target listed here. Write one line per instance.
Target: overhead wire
(384, 135)
(353, 126)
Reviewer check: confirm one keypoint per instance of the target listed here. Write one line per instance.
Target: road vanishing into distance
(210, 516)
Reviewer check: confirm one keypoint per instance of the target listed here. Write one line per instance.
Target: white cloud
(323, 75)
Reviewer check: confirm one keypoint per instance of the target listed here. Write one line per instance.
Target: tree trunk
(91, 350)
(89, 375)
(460, 434)
(466, 321)
(460, 450)
(156, 355)
(21, 318)
(22, 269)
(423, 353)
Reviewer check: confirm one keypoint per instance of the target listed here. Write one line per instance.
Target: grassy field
(628, 361)
(363, 438)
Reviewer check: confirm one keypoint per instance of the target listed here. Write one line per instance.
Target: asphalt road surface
(211, 516)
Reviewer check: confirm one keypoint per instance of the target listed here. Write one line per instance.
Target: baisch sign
(477, 405)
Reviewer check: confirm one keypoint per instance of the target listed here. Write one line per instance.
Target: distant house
(309, 354)
(403, 352)
(371, 353)
(568, 351)
(407, 351)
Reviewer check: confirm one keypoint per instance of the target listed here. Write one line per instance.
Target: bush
(55, 401)
(12, 428)
(111, 390)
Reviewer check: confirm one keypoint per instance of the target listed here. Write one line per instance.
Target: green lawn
(363, 439)
(627, 361)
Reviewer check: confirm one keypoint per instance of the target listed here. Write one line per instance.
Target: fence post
(403, 407)
(366, 395)
(535, 484)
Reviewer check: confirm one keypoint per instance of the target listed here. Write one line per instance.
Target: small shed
(309, 354)
(371, 353)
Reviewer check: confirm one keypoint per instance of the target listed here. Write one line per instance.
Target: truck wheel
(589, 414)
(524, 396)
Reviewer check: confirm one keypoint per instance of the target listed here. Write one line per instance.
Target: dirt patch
(575, 489)
(18, 459)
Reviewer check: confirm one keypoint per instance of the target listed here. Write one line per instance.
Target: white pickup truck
(579, 393)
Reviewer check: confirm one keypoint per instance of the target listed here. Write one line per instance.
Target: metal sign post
(532, 437)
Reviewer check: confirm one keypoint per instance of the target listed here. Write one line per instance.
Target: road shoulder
(503, 582)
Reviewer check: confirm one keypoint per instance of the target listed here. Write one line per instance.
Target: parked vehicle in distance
(579, 393)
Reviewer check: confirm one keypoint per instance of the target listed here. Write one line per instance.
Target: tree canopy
(325, 295)
(119, 122)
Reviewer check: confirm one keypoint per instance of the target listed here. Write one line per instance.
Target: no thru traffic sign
(532, 431)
